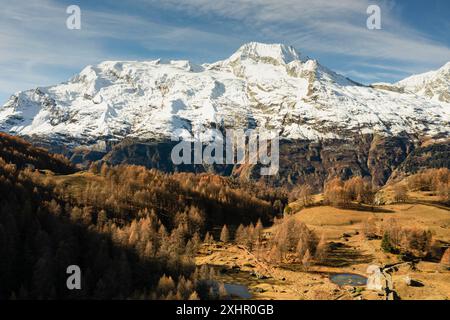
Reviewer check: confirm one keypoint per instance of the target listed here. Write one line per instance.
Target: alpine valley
(330, 126)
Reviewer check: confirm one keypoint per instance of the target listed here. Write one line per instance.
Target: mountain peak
(260, 86)
(446, 66)
(275, 52)
(432, 84)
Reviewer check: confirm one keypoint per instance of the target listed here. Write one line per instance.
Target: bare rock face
(436, 155)
(379, 159)
(385, 155)
(374, 157)
(368, 156)
(315, 162)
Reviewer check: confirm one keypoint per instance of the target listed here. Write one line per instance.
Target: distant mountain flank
(23, 155)
(433, 84)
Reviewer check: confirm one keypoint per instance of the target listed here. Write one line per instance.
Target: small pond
(237, 291)
(348, 279)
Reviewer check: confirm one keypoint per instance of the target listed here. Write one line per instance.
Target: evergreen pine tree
(225, 234)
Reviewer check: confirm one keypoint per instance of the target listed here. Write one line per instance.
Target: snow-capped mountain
(433, 84)
(260, 85)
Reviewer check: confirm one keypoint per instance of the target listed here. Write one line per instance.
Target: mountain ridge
(433, 84)
(259, 86)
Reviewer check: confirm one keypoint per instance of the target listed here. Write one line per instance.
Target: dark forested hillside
(133, 232)
(21, 153)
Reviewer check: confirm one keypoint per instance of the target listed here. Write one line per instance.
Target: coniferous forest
(138, 233)
(133, 232)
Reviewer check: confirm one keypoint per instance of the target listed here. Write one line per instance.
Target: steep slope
(433, 84)
(22, 154)
(261, 85)
(125, 227)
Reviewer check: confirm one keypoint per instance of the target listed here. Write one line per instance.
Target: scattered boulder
(416, 283)
(376, 278)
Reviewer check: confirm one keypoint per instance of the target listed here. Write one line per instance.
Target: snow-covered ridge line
(432, 84)
(260, 85)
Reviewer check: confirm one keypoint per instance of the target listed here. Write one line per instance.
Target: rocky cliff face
(436, 155)
(375, 157)
(301, 161)
(314, 163)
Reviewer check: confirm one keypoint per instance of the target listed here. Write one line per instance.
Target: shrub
(386, 244)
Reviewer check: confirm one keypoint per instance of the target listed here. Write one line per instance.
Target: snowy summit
(260, 85)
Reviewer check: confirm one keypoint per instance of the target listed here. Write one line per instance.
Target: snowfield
(261, 85)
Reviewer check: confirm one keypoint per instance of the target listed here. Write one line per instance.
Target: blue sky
(36, 48)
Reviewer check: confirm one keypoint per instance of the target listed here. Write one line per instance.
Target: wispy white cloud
(368, 77)
(322, 25)
(34, 41)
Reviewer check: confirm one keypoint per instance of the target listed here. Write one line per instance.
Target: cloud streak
(34, 42)
(322, 25)
(36, 48)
